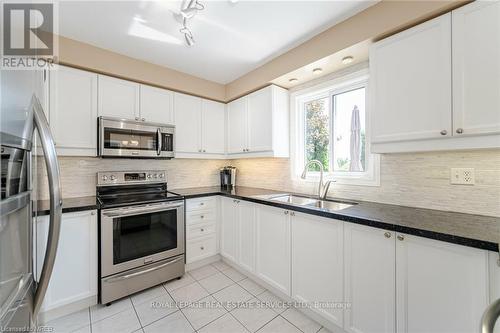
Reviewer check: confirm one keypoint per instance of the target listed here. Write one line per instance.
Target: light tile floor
(212, 299)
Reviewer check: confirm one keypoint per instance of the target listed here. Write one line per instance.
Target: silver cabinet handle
(121, 212)
(53, 173)
(490, 316)
(401, 237)
(387, 235)
(444, 132)
(460, 130)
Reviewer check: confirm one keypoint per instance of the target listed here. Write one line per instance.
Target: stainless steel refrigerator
(26, 146)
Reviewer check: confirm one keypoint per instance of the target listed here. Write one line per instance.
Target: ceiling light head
(293, 80)
(317, 71)
(347, 60)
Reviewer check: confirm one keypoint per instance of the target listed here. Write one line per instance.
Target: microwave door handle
(158, 142)
(53, 173)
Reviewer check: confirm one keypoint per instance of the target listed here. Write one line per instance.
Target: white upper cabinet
(410, 76)
(187, 123)
(157, 105)
(237, 126)
(436, 86)
(118, 98)
(440, 287)
(318, 263)
(213, 127)
(476, 68)
(258, 124)
(73, 100)
(273, 247)
(369, 261)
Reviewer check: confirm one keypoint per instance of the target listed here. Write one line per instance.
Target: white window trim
(297, 136)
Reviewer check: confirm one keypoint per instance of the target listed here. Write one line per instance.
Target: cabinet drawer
(200, 229)
(200, 217)
(200, 248)
(200, 204)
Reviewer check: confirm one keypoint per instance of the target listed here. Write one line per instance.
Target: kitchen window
(331, 127)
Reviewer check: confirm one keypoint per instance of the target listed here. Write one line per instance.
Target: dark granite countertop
(69, 205)
(465, 229)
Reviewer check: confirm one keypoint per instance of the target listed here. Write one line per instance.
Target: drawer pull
(202, 203)
(202, 216)
(202, 229)
(202, 248)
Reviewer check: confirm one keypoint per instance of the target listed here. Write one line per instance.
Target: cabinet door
(317, 263)
(237, 126)
(410, 83)
(73, 105)
(440, 287)
(260, 120)
(369, 278)
(74, 277)
(476, 68)
(118, 98)
(213, 131)
(157, 105)
(273, 247)
(187, 123)
(229, 229)
(246, 235)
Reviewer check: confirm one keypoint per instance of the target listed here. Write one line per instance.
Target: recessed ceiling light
(347, 60)
(317, 71)
(293, 80)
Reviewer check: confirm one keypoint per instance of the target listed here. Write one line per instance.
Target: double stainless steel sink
(306, 202)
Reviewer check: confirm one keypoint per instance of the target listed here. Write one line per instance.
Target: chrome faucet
(322, 188)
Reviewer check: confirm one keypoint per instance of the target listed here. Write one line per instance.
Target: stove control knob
(161, 175)
(112, 177)
(104, 178)
(148, 176)
(155, 175)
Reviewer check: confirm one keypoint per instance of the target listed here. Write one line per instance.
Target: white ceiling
(231, 38)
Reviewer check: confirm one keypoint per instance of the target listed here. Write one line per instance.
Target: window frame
(328, 89)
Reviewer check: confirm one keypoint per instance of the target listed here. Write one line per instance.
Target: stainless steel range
(141, 232)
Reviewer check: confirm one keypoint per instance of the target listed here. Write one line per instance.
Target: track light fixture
(188, 12)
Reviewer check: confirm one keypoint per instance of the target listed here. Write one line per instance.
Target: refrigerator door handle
(52, 165)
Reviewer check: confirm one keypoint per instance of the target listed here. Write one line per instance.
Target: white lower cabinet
(273, 247)
(201, 228)
(369, 275)
(229, 229)
(440, 287)
(246, 235)
(317, 264)
(74, 277)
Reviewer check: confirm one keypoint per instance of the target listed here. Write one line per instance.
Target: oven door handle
(158, 142)
(130, 212)
(149, 270)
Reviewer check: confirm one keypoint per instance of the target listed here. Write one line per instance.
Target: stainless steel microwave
(135, 139)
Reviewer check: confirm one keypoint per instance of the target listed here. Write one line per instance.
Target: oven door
(139, 235)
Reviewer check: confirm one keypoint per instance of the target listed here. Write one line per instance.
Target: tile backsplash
(416, 179)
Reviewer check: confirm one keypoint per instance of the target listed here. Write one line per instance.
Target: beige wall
(377, 21)
(86, 56)
(380, 20)
(417, 179)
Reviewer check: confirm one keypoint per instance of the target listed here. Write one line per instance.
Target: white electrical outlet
(462, 176)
